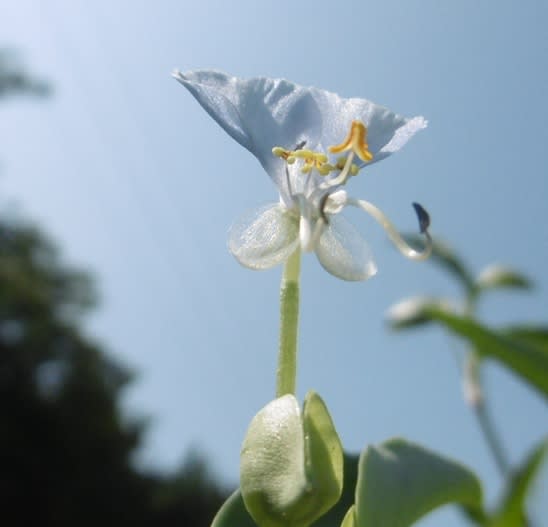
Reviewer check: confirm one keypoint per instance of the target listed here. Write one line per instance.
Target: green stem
(495, 445)
(286, 378)
(473, 378)
(478, 404)
(492, 438)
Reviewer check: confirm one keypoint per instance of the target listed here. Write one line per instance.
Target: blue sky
(138, 185)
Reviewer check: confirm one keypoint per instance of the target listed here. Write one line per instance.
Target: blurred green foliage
(522, 348)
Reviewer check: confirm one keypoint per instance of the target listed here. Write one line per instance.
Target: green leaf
(533, 335)
(511, 511)
(336, 515)
(233, 513)
(291, 464)
(399, 482)
(349, 519)
(499, 277)
(526, 354)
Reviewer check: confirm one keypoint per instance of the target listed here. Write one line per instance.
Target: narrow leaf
(511, 511)
(499, 277)
(533, 335)
(519, 352)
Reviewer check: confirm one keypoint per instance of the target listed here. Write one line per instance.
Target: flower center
(318, 162)
(314, 181)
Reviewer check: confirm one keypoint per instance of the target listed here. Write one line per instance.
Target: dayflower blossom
(310, 142)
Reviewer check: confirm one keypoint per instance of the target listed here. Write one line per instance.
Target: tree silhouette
(15, 80)
(65, 447)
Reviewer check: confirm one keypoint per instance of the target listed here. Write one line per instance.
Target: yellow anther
(354, 169)
(325, 169)
(356, 140)
(303, 154)
(311, 160)
(278, 151)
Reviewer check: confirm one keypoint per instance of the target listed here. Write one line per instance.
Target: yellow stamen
(311, 160)
(356, 140)
(325, 169)
(278, 151)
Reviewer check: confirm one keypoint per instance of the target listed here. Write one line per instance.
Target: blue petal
(387, 131)
(262, 113)
(258, 113)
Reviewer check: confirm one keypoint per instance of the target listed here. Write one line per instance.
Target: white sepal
(343, 252)
(264, 237)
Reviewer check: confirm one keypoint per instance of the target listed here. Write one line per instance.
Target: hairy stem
(286, 377)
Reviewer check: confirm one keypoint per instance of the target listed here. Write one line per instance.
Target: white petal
(264, 237)
(343, 252)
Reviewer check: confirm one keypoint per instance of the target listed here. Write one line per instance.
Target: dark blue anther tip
(423, 216)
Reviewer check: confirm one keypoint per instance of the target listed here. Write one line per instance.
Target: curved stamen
(308, 186)
(342, 178)
(392, 232)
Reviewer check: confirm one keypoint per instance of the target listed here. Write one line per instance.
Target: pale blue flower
(289, 129)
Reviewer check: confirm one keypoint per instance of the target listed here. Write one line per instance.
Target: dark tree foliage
(65, 449)
(15, 80)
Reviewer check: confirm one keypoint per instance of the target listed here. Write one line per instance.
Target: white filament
(392, 232)
(342, 178)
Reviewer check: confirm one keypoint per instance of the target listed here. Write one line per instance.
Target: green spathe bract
(291, 463)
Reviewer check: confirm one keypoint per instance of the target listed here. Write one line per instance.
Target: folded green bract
(291, 463)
